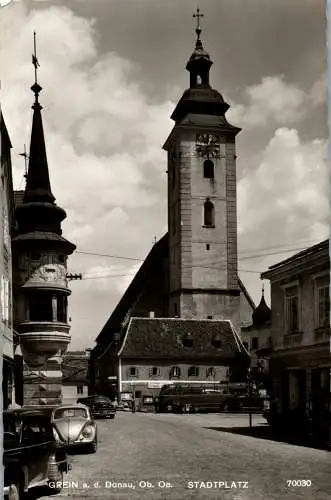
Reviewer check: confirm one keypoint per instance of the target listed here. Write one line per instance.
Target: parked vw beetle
(74, 426)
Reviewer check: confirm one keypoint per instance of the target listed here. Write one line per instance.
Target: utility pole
(249, 380)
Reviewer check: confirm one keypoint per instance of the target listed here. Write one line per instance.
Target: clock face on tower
(207, 145)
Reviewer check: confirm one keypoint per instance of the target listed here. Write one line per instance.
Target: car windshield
(70, 412)
(102, 399)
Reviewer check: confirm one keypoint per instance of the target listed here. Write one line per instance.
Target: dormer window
(217, 342)
(188, 340)
(208, 169)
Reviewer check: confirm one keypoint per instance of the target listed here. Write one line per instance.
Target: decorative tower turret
(40, 268)
(202, 207)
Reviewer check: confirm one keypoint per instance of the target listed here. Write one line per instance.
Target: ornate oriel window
(208, 214)
(40, 306)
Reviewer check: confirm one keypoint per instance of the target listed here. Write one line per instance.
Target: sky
(112, 72)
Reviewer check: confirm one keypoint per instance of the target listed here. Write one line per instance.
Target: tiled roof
(163, 338)
(151, 267)
(311, 251)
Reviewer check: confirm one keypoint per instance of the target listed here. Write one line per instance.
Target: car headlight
(88, 431)
(56, 436)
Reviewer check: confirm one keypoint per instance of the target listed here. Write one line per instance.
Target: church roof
(262, 313)
(163, 338)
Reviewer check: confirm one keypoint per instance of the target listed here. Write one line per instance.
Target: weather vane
(25, 156)
(35, 87)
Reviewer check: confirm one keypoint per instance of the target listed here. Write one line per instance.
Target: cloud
(274, 101)
(103, 141)
(104, 136)
(287, 192)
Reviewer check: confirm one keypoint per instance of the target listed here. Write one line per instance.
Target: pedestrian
(133, 408)
(156, 405)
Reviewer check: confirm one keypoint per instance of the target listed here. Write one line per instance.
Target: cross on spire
(35, 87)
(197, 16)
(26, 157)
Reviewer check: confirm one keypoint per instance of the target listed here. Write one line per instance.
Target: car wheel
(93, 447)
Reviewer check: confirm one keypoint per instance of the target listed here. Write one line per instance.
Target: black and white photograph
(164, 252)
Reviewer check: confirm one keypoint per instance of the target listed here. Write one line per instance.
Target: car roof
(68, 407)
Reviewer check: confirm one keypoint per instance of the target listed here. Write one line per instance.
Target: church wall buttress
(231, 215)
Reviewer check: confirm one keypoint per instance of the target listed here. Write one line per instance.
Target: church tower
(39, 265)
(202, 207)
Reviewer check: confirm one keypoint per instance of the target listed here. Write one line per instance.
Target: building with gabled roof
(188, 284)
(299, 350)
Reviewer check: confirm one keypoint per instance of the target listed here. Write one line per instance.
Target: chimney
(151, 314)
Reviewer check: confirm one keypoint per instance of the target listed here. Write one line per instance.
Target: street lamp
(249, 380)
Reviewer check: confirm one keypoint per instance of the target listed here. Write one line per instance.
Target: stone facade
(40, 265)
(300, 360)
(6, 282)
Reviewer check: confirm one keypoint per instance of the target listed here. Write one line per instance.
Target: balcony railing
(322, 334)
(292, 339)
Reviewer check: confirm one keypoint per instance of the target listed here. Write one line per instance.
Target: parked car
(75, 427)
(31, 457)
(187, 399)
(125, 401)
(146, 403)
(100, 406)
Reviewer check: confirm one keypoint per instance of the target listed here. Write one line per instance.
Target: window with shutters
(133, 372)
(211, 372)
(154, 372)
(175, 371)
(193, 371)
(292, 305)
(322, 306)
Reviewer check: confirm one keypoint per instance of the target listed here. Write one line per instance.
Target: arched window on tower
(199, 80)
(208, 169)
(208, 214)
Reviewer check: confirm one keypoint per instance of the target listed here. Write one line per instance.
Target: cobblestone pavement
(177, 457)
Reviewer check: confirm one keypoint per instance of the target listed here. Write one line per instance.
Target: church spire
(38, 187)
(199, 63)
(198, 30)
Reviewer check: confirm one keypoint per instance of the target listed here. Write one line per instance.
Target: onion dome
(262, 313)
